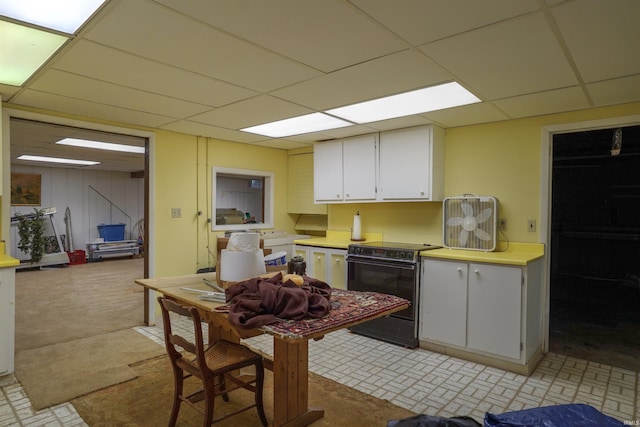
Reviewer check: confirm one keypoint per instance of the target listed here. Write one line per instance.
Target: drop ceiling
(209, 68)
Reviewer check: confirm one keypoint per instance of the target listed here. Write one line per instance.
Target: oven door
(387, 277)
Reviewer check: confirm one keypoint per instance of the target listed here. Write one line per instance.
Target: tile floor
(419, 380)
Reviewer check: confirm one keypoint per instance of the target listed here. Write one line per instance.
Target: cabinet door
(494, 309)
(443, 302)
(303, 251)
(318, 261)
(338, 269)
(7, 320)
(406, 164)
(359, 168)
(327, 172)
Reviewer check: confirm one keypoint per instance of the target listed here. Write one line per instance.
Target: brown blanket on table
(260, 301)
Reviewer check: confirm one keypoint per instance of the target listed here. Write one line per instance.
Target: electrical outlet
(531, 225)
(176, 212)
(503, 224)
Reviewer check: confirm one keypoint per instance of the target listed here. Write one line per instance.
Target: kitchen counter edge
(520, 254)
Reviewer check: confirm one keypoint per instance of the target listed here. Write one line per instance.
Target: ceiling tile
(326, 35)
(390, 75)
(603, 36)
(74, 86)
(7, 91)
(249, 112)
(282, 144)
(466, 115)
(114, 66)
(423, 21)
(208, 131)
(399, 123)
(616, 91)
(535, 104)
(52, 102)
(510, 58)
(155, 32)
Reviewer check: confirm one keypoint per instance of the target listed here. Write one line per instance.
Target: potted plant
(31, 233)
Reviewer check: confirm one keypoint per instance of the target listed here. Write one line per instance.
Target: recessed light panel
(57, 160)
(84, 143)
(24, 50)
(61, 15)
(405, 104)
(314, 122)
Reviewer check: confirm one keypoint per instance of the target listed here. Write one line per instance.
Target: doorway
(595, 246)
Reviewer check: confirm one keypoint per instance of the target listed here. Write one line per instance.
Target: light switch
(176, 212)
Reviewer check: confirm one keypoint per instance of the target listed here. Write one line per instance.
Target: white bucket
(276, 258)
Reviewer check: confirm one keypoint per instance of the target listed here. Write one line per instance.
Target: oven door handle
(401, 265)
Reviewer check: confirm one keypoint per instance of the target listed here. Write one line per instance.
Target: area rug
(57, 373)
(146, 401)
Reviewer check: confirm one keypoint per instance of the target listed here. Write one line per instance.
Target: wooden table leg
(291, 385)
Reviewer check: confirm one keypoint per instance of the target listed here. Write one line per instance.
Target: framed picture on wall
(25, 189)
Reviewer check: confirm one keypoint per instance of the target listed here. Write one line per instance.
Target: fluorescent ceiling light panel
(405, 104)
(61, 15)
(58, 160)
(23, 50)
(313, 122)
(85, 143)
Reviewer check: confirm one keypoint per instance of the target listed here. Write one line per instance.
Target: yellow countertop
(6, 260)
(337, 240)
(514, 254)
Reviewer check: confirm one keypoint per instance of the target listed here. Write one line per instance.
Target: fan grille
(470, 222)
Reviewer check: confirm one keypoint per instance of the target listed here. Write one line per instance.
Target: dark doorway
(595, 247)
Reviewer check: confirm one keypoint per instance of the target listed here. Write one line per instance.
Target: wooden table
(290, 351)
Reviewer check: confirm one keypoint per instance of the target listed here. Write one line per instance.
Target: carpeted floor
(57, 373)
(63, 304)
(146, 401)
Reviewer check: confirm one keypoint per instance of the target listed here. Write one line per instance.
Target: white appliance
(470, 222)
(280, 241)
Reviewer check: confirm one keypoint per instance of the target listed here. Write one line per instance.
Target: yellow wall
(183, 180)
(500, 159)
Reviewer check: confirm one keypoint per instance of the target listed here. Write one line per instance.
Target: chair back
(182, 350)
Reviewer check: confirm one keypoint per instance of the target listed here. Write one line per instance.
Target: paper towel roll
(240, 265)
(356, 231)
(244, 242)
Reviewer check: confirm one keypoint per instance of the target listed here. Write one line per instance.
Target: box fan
(470, 222)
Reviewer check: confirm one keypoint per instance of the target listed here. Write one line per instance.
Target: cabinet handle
(346, 195)
(476, 271)
(337, 196)
(459, 269)
(319, 258)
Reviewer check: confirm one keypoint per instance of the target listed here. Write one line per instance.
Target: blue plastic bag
(571, 415)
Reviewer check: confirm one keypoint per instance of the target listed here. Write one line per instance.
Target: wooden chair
(213, 365)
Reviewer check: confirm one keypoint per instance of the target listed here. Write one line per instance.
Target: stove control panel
(383, 253)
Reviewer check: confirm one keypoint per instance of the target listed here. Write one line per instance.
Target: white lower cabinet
(482, 308)
(326, 264)
(7, 320)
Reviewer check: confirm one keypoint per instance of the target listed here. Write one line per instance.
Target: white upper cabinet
(359, 167)
(412, 164)
(345, 170)
(327, 172)
(393, 166)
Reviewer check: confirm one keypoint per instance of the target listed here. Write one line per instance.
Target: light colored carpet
(63, 304)
(60, 372)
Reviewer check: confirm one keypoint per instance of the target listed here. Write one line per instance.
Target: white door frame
(545, 194)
